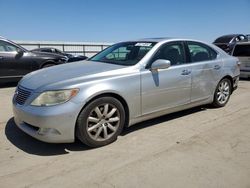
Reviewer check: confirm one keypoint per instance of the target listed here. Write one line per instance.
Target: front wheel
(100, 122)
(222, 93)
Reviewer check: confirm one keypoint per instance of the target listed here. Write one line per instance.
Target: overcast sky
(118, 20)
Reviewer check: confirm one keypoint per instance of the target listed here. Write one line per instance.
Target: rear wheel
(222, 93)
(100, 122)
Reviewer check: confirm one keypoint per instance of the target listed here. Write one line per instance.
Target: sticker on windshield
(144, 44)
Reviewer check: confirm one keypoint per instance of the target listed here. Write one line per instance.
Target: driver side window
(174, 52)
(7, 47)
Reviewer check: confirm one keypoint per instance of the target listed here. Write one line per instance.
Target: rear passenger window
(200, 52)
(242, 51)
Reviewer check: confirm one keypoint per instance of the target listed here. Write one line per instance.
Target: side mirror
(19, 52)
(160, 64)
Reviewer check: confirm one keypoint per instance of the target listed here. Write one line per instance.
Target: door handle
(217, 67)
(186, 72)
(1, 57)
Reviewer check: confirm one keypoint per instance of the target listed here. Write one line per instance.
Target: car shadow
(32, 146)
(7, 85)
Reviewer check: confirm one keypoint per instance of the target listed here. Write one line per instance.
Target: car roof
(2, 38)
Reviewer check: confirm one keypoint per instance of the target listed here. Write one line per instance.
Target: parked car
(227, 42)
(124, 84)
(16, 61)
(71, 58)
(242, 51)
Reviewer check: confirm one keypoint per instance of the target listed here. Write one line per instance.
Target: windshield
(126, 53)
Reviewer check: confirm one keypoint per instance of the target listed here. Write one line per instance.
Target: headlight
(50, 98)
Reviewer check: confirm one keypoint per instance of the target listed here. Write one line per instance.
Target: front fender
(130, 94)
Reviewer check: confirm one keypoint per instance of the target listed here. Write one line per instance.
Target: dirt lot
(201, 147)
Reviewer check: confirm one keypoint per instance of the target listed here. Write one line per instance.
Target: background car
(16, 61)
(242, 52)
(124, 84)
(71, 58)
(227, 42)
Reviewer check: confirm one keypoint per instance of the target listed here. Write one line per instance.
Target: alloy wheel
(103, 122)
(223, 92)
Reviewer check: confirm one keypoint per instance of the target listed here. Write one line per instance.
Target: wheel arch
(108, 94)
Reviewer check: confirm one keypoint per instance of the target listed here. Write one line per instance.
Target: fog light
(43, 131)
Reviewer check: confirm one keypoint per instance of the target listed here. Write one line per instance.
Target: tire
(100, 122)
(48, 65)
(222, 93)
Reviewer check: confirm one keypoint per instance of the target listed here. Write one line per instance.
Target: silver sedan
(124, 84)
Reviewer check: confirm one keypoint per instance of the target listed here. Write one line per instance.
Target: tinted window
(200, 52)
(46, 50)
(58, 51)
(7, 47)
(242, 50)
(174, 52)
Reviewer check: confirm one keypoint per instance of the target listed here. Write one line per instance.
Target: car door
(206, 70)
(13, 61)
(166, 88)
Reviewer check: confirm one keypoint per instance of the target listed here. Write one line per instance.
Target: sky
(119, 20)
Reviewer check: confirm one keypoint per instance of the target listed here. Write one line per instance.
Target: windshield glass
(126, 53)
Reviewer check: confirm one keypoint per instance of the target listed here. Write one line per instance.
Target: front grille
(21, 95)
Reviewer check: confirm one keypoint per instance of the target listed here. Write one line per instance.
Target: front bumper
(55, 124)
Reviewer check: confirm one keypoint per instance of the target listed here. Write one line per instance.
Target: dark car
(227, 42)
(71, 58)
(16, 61)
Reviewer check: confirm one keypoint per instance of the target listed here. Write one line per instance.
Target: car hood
(66, 75)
